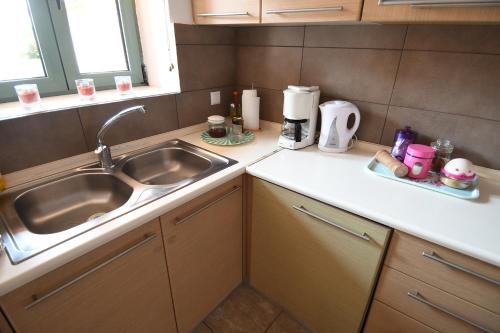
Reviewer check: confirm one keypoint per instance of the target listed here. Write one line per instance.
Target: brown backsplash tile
(454, 38)
(474, 138)
(194, 107)
(200, 34)
(268, 67)
(39, 139)
(356, 36)
(359, 74)
(271, 104)
(270, 36)
(161, 116)
(460, 83)
(451, 71)
(206, 66)
(372, 121)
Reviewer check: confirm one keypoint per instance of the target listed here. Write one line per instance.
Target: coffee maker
(300, 110)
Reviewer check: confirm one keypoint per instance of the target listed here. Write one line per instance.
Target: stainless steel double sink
(42, 214)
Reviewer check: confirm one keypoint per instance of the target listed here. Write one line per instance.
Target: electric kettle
(335, 135)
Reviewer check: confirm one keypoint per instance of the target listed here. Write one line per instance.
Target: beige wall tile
(202, 34)
(268, 67)
(467, 84)
(475, 139)
(161, 116)
(194, 107)
(359, 74)
(457, 38)
(270, 36)
(39, 139)
(206, 66)
(389, 36)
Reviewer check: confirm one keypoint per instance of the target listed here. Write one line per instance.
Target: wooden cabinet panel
(394, 288)
(4, 325)
(384, 319)
(204, 252)
(320, 273)
(282, 11)
(127, 290)
(226, 11)
(374, 12)
(406, 255)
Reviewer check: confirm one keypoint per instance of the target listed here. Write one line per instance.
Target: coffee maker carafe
(300, 110)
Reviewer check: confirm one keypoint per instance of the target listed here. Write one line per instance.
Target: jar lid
(422, 151)
(215, 120)
(442, 145)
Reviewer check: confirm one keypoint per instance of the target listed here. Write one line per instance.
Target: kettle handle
(357, 119)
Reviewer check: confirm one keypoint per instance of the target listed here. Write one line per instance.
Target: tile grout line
(302, 54)
(210, 328)
(83, 130)
(273, 321)
(393, 86)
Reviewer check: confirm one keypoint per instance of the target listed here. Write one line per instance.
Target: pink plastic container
(418, 159)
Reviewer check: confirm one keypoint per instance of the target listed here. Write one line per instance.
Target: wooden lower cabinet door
(203, 241)
(384, 319)
(322, 274)
(121, 286)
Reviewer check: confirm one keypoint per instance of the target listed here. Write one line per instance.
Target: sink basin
(70, 201)
(42, 214)
(165, 166)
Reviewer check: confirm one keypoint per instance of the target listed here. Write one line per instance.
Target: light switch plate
(215, 97)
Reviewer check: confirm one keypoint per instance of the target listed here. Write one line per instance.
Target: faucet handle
(104, 154)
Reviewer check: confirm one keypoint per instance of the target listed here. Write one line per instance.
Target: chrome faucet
(103, 151)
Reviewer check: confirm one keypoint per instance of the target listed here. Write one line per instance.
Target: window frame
(55, 81)
(52, 33)
(128, 23)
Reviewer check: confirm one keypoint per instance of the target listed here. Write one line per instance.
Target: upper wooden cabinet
(226, 11)
(282, 11)
(121, 286)
(431, 11)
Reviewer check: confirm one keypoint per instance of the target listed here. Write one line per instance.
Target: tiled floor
(247, 311)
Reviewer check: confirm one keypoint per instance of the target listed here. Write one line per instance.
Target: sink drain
(96, 215)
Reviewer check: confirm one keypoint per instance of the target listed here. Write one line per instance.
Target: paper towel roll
(250, 109)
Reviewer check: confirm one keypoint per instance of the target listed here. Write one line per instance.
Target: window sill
(13, 110)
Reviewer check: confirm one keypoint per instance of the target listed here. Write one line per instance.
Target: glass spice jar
(443, 150)
(216, 126)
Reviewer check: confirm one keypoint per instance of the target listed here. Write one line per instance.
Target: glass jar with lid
(216, 126)
(443, 149)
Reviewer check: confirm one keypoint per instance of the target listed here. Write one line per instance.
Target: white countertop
(13, 276)
(471, 227)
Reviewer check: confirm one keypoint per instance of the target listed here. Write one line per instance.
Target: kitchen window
(54, 42)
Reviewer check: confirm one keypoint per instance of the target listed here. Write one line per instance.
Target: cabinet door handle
(455, 5)
(304, 10)
(179, 220)
(302, 209)
(440, 3)
(223, 14)
(432, 255)
(38, 299)
(418, 297)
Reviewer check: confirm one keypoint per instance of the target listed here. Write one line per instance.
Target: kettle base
(333, 149)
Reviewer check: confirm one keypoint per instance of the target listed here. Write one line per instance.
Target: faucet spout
(102, 150)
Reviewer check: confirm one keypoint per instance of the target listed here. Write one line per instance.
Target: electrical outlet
(215, 97)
